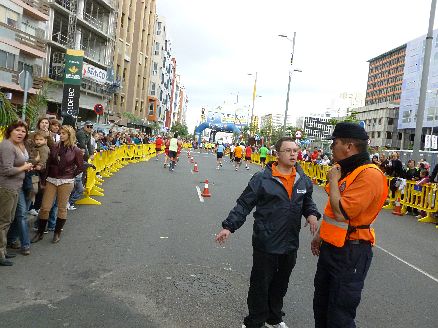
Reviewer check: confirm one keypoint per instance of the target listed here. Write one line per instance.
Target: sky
(218, 43)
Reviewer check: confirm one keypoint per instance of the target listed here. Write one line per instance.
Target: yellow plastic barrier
(255, 158)
(422, 198)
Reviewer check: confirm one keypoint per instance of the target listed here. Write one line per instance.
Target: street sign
(21, 80)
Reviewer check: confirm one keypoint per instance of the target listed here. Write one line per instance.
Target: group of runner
(172, 149)
(238, 152)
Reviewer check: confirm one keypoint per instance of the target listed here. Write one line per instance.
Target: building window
(390, 121)
(400, 136)
(155, 69)
(151, 108)
(388, 135)
(153, 88)
(157, 49)
(380, 120)
(378, 134)
(8, 16)
(7, 60)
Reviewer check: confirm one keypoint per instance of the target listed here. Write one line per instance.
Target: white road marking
(408, 264)
(201, 199)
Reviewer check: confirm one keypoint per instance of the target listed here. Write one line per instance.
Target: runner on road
(263, 153)
(238, 154)
(220, 149)
(166, 150)
(158, 144)
(248, 153)
(173, 150)
(232, 153)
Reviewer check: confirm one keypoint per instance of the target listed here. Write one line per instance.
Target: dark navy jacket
(277, 218)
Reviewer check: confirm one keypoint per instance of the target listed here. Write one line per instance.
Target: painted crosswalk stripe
(198, 190)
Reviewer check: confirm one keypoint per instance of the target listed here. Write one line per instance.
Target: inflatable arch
(228, 127)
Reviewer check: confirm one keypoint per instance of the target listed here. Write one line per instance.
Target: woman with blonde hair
(64, 163)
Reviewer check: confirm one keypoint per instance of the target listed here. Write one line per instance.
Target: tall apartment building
(132, 59)
(276, 120)
(385, 77)
(22, 45)
(317, 128)
(161, 72)
(87, 25)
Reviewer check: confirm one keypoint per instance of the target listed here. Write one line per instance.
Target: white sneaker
(33, 212)
(279, 325)
(70, 207)
(217, 168)
(236, 168)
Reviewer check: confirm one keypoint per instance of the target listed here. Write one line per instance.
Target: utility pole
(423, 86)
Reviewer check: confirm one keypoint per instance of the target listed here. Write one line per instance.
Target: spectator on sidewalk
(412, 172)
(64, 164)
(13, 165)
(54, 129)
(84, 140)
(282, 194)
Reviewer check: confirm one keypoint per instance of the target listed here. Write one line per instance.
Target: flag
(254, 91)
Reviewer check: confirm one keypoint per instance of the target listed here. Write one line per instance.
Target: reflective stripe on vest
(335, 232)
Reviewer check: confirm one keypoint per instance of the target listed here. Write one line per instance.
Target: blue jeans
(78, 189)
(19, 227)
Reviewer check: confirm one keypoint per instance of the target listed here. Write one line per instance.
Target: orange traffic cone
(192, 160)
(205, 192)
(195, 168)
(397, 208)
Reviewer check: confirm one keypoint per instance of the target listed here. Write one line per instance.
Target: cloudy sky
(217, 43)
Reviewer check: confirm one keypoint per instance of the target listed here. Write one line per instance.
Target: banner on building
(434, 142)
(72, 82)
(93, 73)
(428, 141)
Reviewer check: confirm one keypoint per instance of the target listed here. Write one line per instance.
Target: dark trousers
(268, 285)
(339, 280)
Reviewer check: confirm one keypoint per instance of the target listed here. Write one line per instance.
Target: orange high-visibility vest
(334, 230)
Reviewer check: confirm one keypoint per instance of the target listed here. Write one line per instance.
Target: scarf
(351, 163)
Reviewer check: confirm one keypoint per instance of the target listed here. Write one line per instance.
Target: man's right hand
(316, 244)
(222, 236)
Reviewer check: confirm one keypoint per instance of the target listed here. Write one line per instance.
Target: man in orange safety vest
(357, 191)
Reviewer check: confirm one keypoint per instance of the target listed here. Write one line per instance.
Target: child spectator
(38, 155)
(424, 179)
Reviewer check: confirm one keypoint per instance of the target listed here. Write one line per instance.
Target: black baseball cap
(348, 130)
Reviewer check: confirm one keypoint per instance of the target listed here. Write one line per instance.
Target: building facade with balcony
(87, 25)
(161, 73)
(132, 59)
(22, 45)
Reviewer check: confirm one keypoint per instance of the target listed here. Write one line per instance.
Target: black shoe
(10, 255)
(5, 262)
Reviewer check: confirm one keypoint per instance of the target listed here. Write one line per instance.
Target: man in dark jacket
(83, 137)
(282, 194)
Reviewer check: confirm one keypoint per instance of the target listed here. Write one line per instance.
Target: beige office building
(22, 45)
(132, 59)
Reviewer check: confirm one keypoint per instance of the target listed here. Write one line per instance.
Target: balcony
(40, 5)
(27, 40)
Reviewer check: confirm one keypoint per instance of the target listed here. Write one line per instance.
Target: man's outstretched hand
(222, 236)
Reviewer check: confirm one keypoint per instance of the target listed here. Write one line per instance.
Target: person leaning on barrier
(83, 137)
(282, 194)
(357, 190)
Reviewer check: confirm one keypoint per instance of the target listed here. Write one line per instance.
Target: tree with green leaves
(352, 117)
(181, 129)
(132, 118)
(8, 112)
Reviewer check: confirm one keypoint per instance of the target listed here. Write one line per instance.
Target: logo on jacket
(301, 191)
(342, 186)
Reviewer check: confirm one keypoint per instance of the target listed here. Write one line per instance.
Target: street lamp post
(290, 77)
